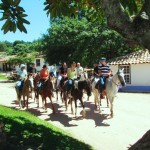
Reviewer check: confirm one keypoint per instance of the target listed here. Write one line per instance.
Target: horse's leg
(18, 96)
(61, 95)
(95, 97)
(107, 101)
(45, 104)
(84, 112)
(71, 106)
(27, 101)
(20, 103)
(57, 94)
(75, 101)
(99, 103)
(88, 98)
(65, 99)
(52, 105)
(111, 106)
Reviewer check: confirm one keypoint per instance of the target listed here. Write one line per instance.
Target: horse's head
(83, 76)
(86, 85)
(120, 74)
(28, 83)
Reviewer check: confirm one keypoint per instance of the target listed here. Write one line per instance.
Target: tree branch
(137, 30)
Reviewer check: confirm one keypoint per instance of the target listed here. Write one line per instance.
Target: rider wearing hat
(21, 74)
(104, 72)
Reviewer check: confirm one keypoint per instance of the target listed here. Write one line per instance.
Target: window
(38, 62)
(127, 73)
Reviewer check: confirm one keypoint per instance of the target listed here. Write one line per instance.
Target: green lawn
(3, 77)
(25, 131)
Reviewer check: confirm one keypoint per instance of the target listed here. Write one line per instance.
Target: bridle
(115, 82)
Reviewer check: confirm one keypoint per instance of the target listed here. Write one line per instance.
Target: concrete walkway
(130, 122)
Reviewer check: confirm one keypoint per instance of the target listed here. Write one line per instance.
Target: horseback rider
(96, 73)
(79, 70)
(21, 74)
(104, 72)
(44, 76)
(72, 75)
(32, 70)
(62, 76)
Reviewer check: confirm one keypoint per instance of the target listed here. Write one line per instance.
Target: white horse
(112, 84)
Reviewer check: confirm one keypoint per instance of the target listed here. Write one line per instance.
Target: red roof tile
(138, 57)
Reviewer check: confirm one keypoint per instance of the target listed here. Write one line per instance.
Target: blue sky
(39, 22)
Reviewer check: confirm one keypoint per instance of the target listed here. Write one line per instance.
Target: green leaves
(80, 40)
(14, 16)
(132, 7)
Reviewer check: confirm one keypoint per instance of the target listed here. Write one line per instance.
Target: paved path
(130, 122)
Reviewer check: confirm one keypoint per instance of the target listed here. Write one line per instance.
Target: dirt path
(130, 122)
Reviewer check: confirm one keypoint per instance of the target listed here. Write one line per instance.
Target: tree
(22, 57)
(81, 40)
(131, 18)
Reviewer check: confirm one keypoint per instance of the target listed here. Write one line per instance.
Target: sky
(39, 22)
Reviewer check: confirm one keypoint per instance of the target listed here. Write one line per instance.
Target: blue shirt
(21, 73)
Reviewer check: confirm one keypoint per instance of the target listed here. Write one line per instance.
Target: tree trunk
(135, 29)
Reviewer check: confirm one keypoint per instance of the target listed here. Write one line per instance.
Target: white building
(136, 69)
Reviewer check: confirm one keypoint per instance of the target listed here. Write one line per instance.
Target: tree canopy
(131, 18)
(24, 52)
(81, 40)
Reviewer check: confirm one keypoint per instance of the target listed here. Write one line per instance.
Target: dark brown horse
(77, 93)
(35, 84)
(46, 91)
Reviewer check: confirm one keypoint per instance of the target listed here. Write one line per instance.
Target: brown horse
(26, 90)
(77, 93)
(46, 91)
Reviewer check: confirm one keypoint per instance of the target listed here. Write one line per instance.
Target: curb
(7, 81)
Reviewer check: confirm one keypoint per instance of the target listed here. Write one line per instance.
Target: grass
(3, 77)
(26, 131)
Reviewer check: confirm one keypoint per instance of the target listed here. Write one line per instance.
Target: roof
(138, 57)
(5, 58)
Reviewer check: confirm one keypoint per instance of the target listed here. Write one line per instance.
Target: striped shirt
(104, 69)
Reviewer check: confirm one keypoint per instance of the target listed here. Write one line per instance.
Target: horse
(111, 89)
(59, 87)
(96, 93)
(36, 80)
(46, 91)
(77, 93)
(26, 90)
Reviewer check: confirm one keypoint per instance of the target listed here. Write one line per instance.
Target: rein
(115, 83)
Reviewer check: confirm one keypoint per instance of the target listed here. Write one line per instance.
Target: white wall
(42, 62)
(114, 69)
(140, 74)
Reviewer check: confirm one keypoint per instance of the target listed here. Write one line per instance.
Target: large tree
(131, 18)
(81, 40)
